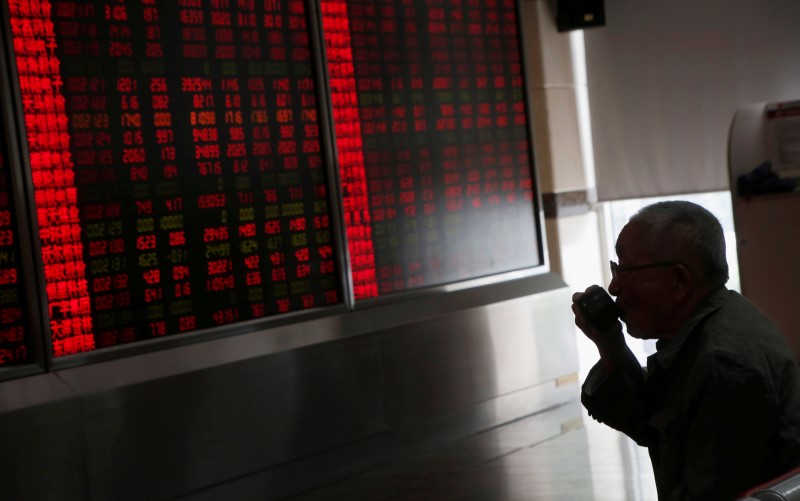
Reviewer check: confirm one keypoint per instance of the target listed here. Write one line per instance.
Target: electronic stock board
(198, 163)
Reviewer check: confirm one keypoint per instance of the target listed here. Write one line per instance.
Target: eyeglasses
(617, 269)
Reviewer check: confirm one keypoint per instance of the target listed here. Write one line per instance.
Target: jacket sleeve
(617, 399)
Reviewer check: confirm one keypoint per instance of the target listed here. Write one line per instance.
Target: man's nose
(613, 287)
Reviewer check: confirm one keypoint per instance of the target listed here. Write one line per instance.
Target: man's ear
(682, 282)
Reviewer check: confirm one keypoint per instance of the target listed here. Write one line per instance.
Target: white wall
(665, 79)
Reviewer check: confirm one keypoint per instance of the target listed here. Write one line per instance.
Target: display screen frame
(537, 204)
(20, 160)
(19, 164)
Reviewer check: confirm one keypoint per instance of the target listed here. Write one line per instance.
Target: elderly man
(718, 405)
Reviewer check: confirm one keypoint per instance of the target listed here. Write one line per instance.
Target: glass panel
(14, 343)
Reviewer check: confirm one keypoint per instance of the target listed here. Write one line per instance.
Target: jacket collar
(668, 350)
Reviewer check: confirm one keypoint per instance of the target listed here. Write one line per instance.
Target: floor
(560, 454)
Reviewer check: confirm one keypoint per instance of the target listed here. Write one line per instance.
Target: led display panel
(177, 166)
(14, 347)
(433, 140)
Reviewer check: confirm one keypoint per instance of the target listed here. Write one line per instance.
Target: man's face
(641, 290)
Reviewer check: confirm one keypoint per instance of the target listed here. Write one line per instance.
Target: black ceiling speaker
(579, 14)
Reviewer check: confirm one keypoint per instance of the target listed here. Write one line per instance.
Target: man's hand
(592, 332)
(610, 343)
